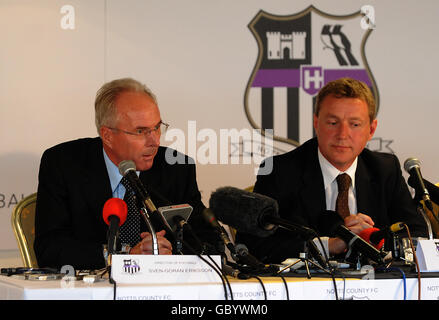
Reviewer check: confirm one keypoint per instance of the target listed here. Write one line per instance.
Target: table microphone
(114, 214)
(376, 237)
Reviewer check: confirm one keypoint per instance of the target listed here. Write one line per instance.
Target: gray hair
(105, 107)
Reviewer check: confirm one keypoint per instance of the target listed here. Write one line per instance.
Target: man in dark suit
(77, 177)
(304, 181)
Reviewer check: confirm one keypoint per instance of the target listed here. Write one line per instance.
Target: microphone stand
(303, 257)
(155, 244)
(179, 238)
(421, 211)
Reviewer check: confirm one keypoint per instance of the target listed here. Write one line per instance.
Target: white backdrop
(197, 56)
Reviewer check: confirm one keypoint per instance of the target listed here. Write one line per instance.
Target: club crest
(297, 55)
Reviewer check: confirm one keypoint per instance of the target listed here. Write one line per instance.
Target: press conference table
(299, 288)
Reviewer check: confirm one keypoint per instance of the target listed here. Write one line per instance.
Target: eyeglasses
(145, 132)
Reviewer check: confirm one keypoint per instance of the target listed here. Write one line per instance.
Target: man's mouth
(341, 148)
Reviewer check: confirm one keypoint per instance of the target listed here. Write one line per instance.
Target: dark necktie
(130, 230)
(341, 205)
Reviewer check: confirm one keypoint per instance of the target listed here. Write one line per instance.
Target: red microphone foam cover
(115, 207)
(365, 234)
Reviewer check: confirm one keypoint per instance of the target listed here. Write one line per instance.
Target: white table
(299, 289)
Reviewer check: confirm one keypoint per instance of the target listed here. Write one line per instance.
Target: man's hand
(359, 222)
(145, 246)
(355, 223)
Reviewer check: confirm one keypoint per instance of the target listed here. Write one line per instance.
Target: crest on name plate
(297, 55)
(131, 266)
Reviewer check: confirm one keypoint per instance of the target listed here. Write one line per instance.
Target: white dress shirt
(330, 174)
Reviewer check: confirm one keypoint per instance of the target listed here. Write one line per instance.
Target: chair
(433, 220)
(23, 224)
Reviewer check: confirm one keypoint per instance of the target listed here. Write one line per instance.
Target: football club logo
(131, 266)
(298, 55)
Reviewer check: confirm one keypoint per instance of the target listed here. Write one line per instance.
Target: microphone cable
(402, 274)
(415, 259)
(107, 269)
(262, 284)
(285, 285)
(331, 270)
(403, 278)
(213, 265)
(162, 220)
(113, 282)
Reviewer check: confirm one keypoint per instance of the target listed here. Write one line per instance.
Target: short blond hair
(347, 88)
(105, 107)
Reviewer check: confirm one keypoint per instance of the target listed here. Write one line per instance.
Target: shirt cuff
(325, 249)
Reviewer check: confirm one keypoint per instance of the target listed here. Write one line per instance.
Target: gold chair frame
(25, 236)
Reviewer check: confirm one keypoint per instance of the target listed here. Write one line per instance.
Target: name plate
(427, 252)
(150, 269)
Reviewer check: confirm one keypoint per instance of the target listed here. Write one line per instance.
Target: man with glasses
(77, 177)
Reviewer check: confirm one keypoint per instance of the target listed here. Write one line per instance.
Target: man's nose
(343, 130)
(153, 138)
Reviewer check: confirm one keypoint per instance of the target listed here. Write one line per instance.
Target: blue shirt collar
(113, 173)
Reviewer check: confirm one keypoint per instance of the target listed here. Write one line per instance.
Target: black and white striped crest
(298, 55)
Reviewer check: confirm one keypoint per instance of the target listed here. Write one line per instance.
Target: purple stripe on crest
(270, 78)
(357, 74)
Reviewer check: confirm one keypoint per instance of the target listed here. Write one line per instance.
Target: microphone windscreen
(410, 163)
(366, 233)
(243, 210)
(398, 226)
(125, 166)
(115, 207)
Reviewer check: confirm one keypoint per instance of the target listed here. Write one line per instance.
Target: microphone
(332, 224)
(376, 236)
(179, 222)
(235, 273)
(240, 251)
(114, 214)
(246, 258)
(412, 166)
(256, 214)
(251, 213)
(209, 216)
(127, 168)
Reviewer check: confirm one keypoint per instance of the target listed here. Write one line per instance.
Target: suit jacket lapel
(365, 187)
(312, 193)
(97, 186)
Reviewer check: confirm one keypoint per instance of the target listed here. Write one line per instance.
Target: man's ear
(373, 127)
(315, 121)
(106, 136)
